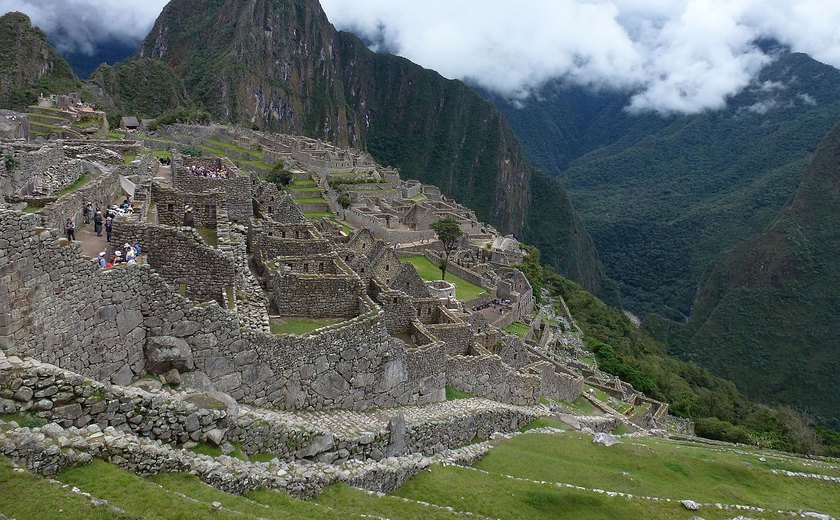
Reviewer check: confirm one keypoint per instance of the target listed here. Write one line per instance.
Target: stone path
(347, 423)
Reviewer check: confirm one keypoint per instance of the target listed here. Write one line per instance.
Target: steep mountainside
(137, 87)
(28, 65)
(767, 317)
(280, 65)
(665, 197)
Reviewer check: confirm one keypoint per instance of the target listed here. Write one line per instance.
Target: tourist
(103, 263)
(70, 229)
(97, 222)
(129, 253)
(87, 212)
(118, 259)
(109, 222)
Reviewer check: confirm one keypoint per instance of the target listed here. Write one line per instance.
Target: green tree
(344, 201)
(448, 232)
(10, 161)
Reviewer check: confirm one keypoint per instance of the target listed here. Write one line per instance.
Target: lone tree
(280, 175)
(345, 202)
(448, 232)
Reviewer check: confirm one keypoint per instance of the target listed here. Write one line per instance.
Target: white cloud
(675, 55)
(82, 25)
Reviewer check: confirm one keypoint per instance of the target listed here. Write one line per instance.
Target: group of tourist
(199, 170)
(127, 255)
(497, 304)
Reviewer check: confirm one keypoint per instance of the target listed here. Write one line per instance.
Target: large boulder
(163, 353)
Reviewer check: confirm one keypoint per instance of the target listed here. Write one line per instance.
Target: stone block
(164, 353)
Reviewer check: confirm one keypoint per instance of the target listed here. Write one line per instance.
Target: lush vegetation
(664, 197)
(299, 325)
(719, 410)
(28, 65)
(464, 290)
(767, 315)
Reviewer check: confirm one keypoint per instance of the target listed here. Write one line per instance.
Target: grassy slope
(767, 316)
(664, 197)
(24, 56)
(464, 290)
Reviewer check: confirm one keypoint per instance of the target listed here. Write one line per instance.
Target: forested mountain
(664, 197)
(29, 66)
(767, 316)
(280, 65)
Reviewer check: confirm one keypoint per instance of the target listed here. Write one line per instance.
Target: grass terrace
(318, 214)
(518, 328)
(209, 235)
(300, 326)
(464, 290)
(81, 181)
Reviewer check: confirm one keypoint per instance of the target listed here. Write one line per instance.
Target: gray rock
(319, 444)
(149, 385)
(191, 423)
(216, 436)
(68, 411)
(396, 436)
(163, 353)
(23, 394)
(197, 380)
(172, 377)
(123, 376)
(691, 505)
(605, 439)
(7, 406)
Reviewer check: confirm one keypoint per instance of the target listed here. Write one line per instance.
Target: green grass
(162, 154)
(318, 214)
(141, 496)
(28, 497)
(587, 360)
(311, 200)
(496, 496)
(464, 290)
(256, 154)
(351, 502)
(419, 196)
(300, 326)
(127, 158)
(544, 422)
(659, 467)
(81, 181)
(207, 449)
(303, 183)
(581, 406)
(116, 136)
(518, 328)
(31, 209)
(209, 235)
(453, 394)
(24, 419)
(622, 429)
(305, 189)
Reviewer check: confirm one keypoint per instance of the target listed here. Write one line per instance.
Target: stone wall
(60, 308)
(72, 400)
(102, 191)
(33, 161)
(237, 189)
(456, 336)
(313, 287)
(486, 376)
(181, 256)
(172, 206)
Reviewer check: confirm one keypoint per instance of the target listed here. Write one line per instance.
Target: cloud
(681, 56)
(81, 26)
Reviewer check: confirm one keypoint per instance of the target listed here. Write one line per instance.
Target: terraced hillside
(539, 475)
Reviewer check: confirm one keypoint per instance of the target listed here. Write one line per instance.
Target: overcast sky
(676, 55)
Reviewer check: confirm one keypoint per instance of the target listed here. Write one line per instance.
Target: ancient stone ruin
(244, 320)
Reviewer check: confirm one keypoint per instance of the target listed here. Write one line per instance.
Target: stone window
(170, 208)
(362, 270)
(283, 234)
(297, 234)
(387, 267)
(207, 208)
(347, 258)
(321, 267)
